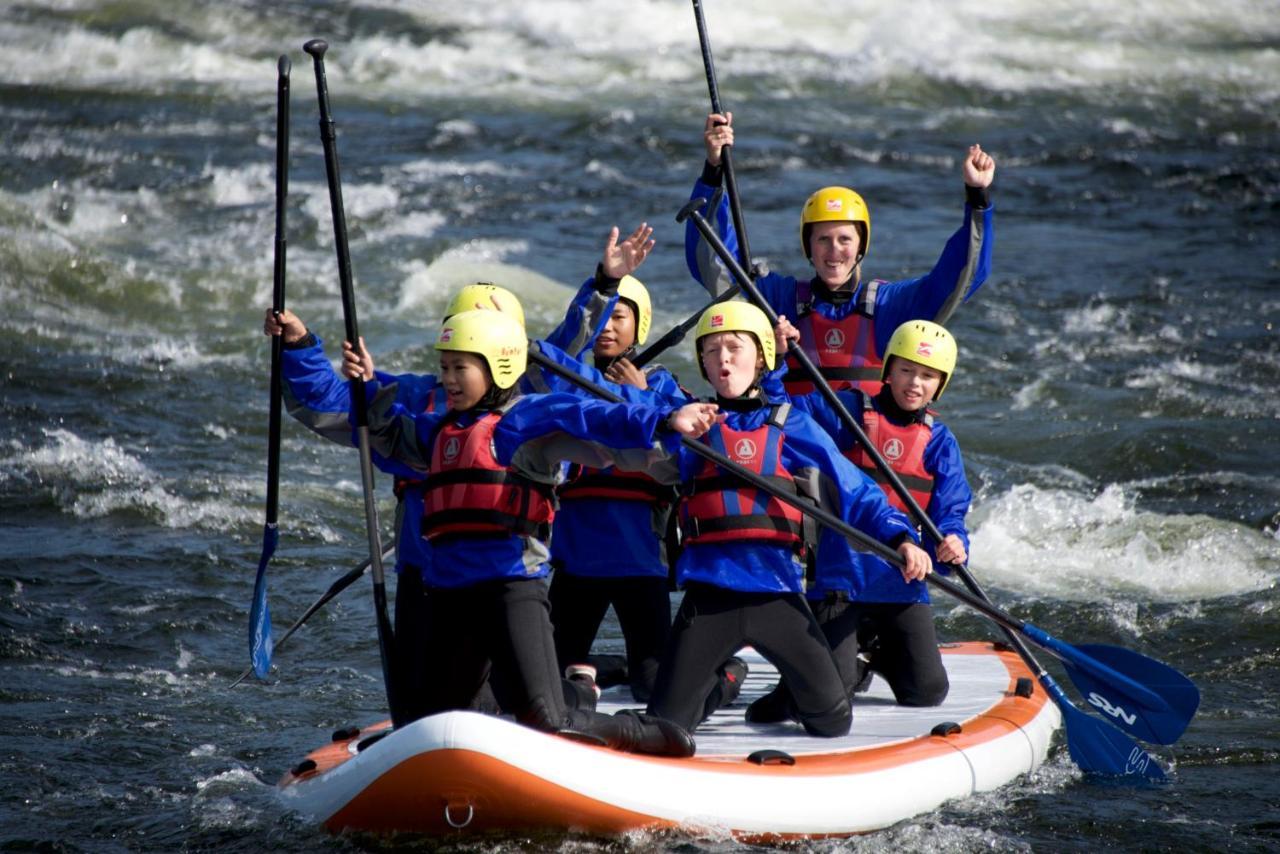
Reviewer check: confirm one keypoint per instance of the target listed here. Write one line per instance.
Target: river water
(1115, 398)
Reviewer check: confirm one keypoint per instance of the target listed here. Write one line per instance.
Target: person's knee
(930, 690)
(832, 723)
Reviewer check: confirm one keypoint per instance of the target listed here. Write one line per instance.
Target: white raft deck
(462, 770)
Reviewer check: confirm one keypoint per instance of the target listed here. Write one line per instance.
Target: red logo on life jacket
(834, 339)
(892, 449)
(744, 449)
(451, 449)
(924, 348)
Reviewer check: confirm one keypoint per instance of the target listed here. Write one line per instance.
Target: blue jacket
(963, 266)
(536, 433)
(865, 577)
(614, 538)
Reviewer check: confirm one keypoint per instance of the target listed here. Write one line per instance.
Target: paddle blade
(1099, 748)
(1122, 707)
(260, 644)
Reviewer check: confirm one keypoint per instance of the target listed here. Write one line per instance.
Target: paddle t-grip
(316, 47)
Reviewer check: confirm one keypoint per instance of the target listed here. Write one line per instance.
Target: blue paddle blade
(260, 643)
(1161, 723)
(1099, 748)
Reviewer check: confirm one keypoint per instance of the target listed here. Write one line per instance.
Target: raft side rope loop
(471, 813)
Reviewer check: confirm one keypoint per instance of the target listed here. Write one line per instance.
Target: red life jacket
(437, 400)
(588, 482)
(902, 448)
(468, 493)
(722, 508)
(844, 351)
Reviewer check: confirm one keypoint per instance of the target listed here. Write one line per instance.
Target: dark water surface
(1115, 398)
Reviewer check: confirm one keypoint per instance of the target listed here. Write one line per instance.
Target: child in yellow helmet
(845, 320)
(740, 565)
(490, 463)
(860, 600)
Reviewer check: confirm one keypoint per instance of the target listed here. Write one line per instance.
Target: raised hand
(979, 167)
(622, 259)
(716, 135)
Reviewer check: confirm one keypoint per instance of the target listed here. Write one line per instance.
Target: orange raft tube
(462, 771)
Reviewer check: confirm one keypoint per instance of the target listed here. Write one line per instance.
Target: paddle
(328, 137)
(1160, 700)
(260, 643)
(334, 589)
(1164, 732)
(726, 154)
(675, 335)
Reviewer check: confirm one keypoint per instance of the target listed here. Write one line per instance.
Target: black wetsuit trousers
(897, 638)
(643, 607)
(496, 631)
(713, 623)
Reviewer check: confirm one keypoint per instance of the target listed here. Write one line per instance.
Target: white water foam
(1067, 545)
(567, 49)
(95, 478)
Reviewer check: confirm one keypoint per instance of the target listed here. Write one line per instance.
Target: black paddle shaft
(726, 155)
(328, 138)
(277, 296)
(691, 211)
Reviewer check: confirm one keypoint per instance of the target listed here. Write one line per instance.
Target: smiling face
(465, 378)
(619, 332)
(730, 362)
(834, 248)
(912, 384)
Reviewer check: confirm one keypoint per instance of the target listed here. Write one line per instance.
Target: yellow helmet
(488, 296)
(633, 291)
(493, 336)
(735, 316)
(926, 343)
(835, 204)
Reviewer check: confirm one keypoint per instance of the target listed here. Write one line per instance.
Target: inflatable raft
(463, 771)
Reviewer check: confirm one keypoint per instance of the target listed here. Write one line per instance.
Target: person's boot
(610, 669)
(640, 732)
(863, 683)
(774, 707)
(583, 677)
(733, 673)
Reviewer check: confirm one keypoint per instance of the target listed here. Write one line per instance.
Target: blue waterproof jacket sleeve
(320, 398)
(586, 316)
(539, 381)
(570, 427)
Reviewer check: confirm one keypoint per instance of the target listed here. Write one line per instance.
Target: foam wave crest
(90, 479)
(1069, 546)
(555, 51)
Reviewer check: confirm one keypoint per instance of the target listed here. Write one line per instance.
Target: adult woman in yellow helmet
(741, 565)
(844, 320)
(860, 600)
(491, 461)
